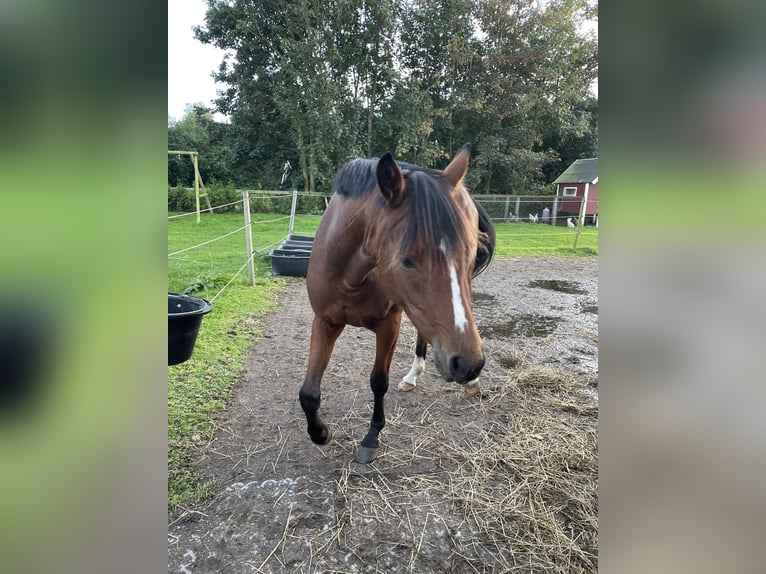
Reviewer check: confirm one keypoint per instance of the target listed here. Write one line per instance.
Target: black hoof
(324, 437)
(366, 454)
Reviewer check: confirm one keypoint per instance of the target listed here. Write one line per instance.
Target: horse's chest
(367, 307)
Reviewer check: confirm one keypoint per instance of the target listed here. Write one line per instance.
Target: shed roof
(581, 171)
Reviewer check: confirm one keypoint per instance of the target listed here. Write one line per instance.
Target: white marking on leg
(457, 300)
(418, 367)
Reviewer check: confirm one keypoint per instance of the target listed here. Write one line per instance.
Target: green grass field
(219, 261)
(198, 388)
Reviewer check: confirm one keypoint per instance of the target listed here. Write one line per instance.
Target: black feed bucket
(184, 318)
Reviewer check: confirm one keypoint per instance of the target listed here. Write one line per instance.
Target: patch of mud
(482, 298)
(570, 287)
(531, 325)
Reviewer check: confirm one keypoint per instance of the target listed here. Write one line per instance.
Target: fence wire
(206, 209)
(516, 201)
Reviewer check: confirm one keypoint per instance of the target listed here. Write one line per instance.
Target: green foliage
(205, 283)
(317, 83)
(220, 194)
(213, 141)
(181, 199)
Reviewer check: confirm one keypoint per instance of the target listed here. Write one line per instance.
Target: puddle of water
(482, 298)
(522, 326)
(571, 287)
(590, 309)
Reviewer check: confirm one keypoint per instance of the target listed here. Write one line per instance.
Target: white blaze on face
(457, 299)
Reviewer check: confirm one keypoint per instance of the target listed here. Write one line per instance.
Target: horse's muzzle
(458, 368)
(463, 371)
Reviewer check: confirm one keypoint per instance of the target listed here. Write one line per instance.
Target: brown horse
(393, 238)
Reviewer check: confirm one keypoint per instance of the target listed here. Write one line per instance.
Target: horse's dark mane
(432, 217)
(356, 178)
(486, 249)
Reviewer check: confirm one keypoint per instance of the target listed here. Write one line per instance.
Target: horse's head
(425, 243)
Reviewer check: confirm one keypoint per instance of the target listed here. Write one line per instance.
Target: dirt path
(282, 504)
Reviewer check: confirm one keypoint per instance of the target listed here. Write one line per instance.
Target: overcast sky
(190, 62)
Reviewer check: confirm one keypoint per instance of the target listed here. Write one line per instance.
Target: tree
(316, 83)
(537, 69)
(287, 74)
(198, 131)
(439, 55)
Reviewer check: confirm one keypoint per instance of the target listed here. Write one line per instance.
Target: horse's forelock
(435, 220)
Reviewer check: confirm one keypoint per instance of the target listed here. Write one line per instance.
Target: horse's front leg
(386, 334)
(323, 337)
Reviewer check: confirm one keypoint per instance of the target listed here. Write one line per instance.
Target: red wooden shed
(578, 183)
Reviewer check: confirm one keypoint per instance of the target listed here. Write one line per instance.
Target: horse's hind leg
(386, 334)
(323, 337)
(410, 380)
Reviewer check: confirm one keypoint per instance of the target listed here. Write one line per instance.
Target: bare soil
(425, 505)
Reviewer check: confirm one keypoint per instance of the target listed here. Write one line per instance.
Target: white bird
(532, 218)
(569, 222)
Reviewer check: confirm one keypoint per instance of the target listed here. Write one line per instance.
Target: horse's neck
(358, 269)
(348, 246)
(363, 261)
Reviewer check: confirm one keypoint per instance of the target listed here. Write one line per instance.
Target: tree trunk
(370, 105)
(303, 160)
(369, 130)
(312, 164)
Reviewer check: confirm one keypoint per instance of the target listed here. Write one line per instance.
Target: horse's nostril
(455, 363)
(463, 371)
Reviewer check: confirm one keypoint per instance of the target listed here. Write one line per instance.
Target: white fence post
(248, 235)
(580, 217)
(292, 212)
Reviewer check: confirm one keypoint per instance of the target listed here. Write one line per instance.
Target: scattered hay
(507, 483)
(533, 485)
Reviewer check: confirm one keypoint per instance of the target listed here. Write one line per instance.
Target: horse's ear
(457, 168)
(390, 180)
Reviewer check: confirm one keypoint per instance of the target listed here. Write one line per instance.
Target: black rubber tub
(29, 338)
(185, 314)
(287, 252)
(291, 259)
(293, 244)
(290, 263)
(301, 238)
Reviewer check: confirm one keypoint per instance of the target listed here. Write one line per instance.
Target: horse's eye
(408, 263)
